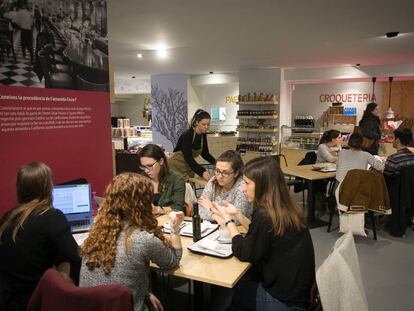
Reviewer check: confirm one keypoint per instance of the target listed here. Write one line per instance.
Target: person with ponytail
(34, 236)
(191, 144)
(125, 238)
(329, 146)
(277, 243)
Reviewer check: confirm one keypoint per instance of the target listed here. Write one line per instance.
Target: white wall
(306, 97)
(132, 108)
(215, 96)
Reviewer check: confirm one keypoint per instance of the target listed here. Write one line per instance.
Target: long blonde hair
(128, 202)
(34, 195)
(272, 193)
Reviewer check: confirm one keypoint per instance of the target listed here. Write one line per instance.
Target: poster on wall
(169, 109)
(54, 91)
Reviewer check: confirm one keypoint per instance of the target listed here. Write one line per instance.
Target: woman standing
(370, 126)
(329, 146)
(226, 185)
(169, 186)
(277, 243)
(126, 237)
(33, 235)
(191, 144)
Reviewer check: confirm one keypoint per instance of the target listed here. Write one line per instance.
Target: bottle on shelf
(196, 223)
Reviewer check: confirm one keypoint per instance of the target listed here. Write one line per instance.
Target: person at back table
(191, 144)
(329, 146)
(169, 186)
(403, 137)
(370, 125)
(277, 243)
(125, 238)
(33, 237)
(355, 158)
(226, 185)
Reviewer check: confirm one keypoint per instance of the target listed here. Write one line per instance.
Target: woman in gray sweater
(126, 237)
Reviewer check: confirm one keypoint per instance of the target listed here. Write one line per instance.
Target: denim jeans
(250, 295)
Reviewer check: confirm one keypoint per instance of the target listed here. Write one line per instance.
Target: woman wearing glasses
(226, 185)
(169, 186)
(191, 144)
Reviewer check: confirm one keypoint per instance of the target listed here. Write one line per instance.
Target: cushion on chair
(53, 292)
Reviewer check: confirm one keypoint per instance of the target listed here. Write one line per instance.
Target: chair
(297, 182)
(91, 86)
(402, 199)
(53, 292)
(339, 278)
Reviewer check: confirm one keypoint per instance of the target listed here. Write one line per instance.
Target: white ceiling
(229, 35)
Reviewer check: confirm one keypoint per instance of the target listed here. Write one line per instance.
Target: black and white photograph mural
(169, 109)
(54, 44)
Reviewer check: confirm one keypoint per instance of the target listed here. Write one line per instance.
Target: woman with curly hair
(125, 238)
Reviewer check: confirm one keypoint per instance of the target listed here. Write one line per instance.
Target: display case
(300, 138)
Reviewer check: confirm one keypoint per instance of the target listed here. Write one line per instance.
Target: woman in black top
(277, 243)
(33, 237)
(370, 125)
(191, 144)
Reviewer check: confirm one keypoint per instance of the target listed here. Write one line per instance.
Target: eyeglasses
(149, 167)
(223, 173)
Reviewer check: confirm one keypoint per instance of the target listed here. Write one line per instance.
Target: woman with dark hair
(277, 243)
(33, 237)
(226, 185)
(329, 145)
(191, 144)
(355, 158)
(125, 238)
(370, 126)
(169, 186)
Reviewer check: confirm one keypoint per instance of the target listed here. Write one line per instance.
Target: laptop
(75, 201)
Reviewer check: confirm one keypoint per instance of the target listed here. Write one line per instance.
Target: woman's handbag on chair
(366, 142)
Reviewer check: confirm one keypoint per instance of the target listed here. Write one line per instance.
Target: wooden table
(204, 268)
(306, 172)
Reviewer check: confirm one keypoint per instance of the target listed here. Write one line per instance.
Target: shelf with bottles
(264, 102)
(259, 129)
(257, 114)
(258, 141)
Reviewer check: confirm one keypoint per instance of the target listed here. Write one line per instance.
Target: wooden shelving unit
(258, 117)
(264, 102)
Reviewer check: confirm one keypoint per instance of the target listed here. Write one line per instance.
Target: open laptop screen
(75, 201)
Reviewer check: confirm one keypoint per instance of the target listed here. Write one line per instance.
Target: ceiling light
(211, 72)
(162, 53)
(139, 55)
(133, 77)
(392, 34)
(357, 65)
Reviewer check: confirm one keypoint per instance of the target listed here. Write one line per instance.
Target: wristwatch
(229, 221)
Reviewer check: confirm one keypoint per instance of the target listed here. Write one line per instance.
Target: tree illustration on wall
(170, 112)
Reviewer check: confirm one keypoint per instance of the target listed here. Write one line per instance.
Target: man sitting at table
(403, 157)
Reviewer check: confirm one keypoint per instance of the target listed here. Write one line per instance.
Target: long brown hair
(155, 152)
(127, 203)
(234, 158)
(272, 194)
(34, 195)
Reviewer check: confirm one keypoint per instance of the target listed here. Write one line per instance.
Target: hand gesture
(230, 208)
(155, 303)
(220, 211)
(176, 218)
(205, 202)
(206, 176)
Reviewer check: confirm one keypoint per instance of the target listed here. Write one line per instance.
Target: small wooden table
(306, 172)
(204, 268)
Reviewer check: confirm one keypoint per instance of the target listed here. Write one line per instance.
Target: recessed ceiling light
(162, 53)
(211, 72)
(139, 55)
(133, 77)
(357, 65)
(392, 34)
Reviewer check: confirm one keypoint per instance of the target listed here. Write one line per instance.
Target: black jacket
(371, 128)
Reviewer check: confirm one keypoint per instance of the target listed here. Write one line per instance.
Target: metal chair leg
(374, 228)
